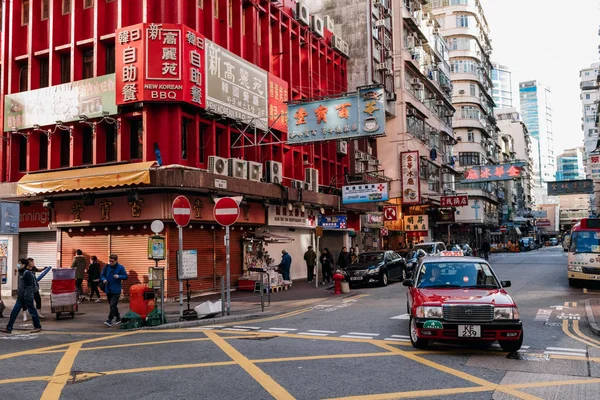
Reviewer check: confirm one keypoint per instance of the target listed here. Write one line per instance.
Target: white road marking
(402, 316)
(397, 339)
(496, 345)
(216, 326)
(247, 327)
(269, 331)
(236, 329)
(401, 336)
(363, 334)
(564, 353)
(316, 331)
(356, 337)
(283, 329)
(312, 334)
(564, 349)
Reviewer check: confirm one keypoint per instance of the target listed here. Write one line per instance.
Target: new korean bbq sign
(226, 211)
(182, 211)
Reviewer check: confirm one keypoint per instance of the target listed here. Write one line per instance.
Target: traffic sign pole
(180, 268)
(226, 213)
(182, 213)
(227, 269)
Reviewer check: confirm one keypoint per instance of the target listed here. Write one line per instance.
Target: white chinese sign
(411, 184)
(416, 223)
(282, 216)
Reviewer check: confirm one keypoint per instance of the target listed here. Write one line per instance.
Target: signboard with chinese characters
(358, 115)
(66, 102)
(595, 167)
(282, 216)
(333, 221)
(488, 173)
(539, 213)
(366, 193)
(543, 222)
(278, 109)
(454, 201)
(559, 188)
(235, 88)
(411, 185)
(416, 223)
(159, 62)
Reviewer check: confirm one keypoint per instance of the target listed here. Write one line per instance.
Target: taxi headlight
(429, 312)
(574, 268)
(506, 313)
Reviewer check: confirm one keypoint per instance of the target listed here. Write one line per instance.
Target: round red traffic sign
(182, 210)
(503, 229)
(226, 211)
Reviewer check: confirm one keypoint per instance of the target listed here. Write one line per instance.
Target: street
(351, 347)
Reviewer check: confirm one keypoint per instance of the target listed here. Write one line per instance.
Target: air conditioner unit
(419, 86)
(414, 81)
(439, 103)
(436, 31)
(369, 150)
(337, 43)
(387, 12)
(410, 111)
(329, 23)
(377, 2)
(345, 49)
(357, 155)
(218, 165)
(312, 179)
(449, 113)
(389, 54)
(381, 66)
(255, 171)
(425, 15)
(410, 42)
(431, 96)
(342, 147)
(380, 22)
(298, 184)
(274, 172)
(302, 13)
(434, 67)
(317, 25)
(238, 168)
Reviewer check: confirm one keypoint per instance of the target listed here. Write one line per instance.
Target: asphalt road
(356, 347)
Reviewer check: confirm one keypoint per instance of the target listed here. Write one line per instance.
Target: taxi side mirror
(505, 283)
(408, 282)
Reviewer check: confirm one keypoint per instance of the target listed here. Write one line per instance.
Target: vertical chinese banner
(129, 53)
(194, 56)
(411, 184)
(278, 96)
(163, 62)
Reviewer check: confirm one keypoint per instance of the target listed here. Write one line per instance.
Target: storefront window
(136, 138)
(22, 153)
(43, 151)
(111, 143)
(65, 148)
(87, 145)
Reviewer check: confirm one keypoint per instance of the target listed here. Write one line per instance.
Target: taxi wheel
(383, 279)
(511, 346)
(414, 339)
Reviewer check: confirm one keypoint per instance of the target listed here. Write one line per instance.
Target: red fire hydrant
(338, 278)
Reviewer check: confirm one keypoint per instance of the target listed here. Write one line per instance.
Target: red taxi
(452, 297)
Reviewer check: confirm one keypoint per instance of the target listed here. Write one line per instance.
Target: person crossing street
(112, 275)
(25, 297)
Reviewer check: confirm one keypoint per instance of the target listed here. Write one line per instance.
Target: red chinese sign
(411, 184)
(278, 96)
(159, 62)
(488, 173)
(454, 201)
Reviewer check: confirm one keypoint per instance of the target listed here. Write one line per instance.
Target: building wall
(570, 165)
(502, 81)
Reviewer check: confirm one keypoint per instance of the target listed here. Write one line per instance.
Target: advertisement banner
(333, 222)
(372, 220)
(34, 215)
(282, 216)
(595, 167)
(543, 222)
(358, 115)
(454, 201)
(539, 213)
(66, 102)
(562, 188)
(416, 223)
(490, 173)
(235, 88)
(278, 109)
(411, 184)
(366, 193)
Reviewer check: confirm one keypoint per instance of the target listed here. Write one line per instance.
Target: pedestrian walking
(343, 258)
(326, 260)
(93, 272)
(310, 257)
(485, 249)
(79, 265)
(353, 256)
(25, 295)
(36, 291)
(285, 265)
(112, 275)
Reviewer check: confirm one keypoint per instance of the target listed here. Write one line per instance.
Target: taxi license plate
(469, 331)
(356, 278)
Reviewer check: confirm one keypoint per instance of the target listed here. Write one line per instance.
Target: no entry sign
(226, 211)
(182, 211)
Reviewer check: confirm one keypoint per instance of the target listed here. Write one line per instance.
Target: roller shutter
(90, 243)
(41, 246)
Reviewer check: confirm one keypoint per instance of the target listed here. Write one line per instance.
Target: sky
(549, 41)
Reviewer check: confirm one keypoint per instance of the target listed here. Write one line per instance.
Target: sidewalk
(592, 309)
(244, 306)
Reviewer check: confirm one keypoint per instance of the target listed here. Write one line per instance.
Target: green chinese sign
(90, 97)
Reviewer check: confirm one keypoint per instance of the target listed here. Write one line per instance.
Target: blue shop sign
(333, 221)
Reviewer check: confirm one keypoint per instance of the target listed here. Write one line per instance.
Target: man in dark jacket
(310, 257)
(112, 276)
(94, 278)
(343, 258)
(79, 265)
(485, 249)
(25, 295)
(285, 265)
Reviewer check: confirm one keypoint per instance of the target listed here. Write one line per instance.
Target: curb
(210, 321)
(591, 319)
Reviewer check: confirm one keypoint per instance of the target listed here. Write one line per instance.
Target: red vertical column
(33, 152)
(99, 155)
(54, 151)
(76, 143)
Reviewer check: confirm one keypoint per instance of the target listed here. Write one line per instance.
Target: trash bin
(141, 300)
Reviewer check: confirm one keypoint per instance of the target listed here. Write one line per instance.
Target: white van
(431, 248)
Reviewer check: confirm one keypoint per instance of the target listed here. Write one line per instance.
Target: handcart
(63, 297)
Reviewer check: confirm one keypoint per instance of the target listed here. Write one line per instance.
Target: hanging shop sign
(278, 98)
(595, 167)
(358, 115)
(333, 222)
(489, 173)
(561, 188)
(416, 223)
(411, 184)
(160, 62)
(296, 218)
(9, 217)
(66, 102)
(454, 201)
(372, 220)
(235, 88)
(366, 193)
(543, 222)
(33, 215)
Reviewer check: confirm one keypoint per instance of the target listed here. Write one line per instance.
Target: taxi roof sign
(453, 253)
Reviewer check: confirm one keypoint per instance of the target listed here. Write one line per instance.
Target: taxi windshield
(585, 242)
(453, 275)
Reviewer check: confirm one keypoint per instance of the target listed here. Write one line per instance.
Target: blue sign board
(358, 115)
(333, 221)
(365, 193)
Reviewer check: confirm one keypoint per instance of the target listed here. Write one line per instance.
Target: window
(184, 138)
(201, 145)
(88, 4)
(65, 148)
(23, 82)
(43, 151)
(473, 89)
(65, 68)
(45, 9)
(462, 21)
(469, 158)
(110, 58)
(470, 135)
(22, 153)
(88, 64)
(111, 142)
(87, 145)
(587, 96)
(24, 12)
(66, 6)
(44, 73)
(136, 139)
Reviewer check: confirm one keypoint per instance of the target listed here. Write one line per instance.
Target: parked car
(553, 242)
(465, 248)
(412, 260)
(376, 267)
(461, 299)
(431, 248)
(527, 244)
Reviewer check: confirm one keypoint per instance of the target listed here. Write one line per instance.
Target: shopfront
(335, 234)
(370, 232)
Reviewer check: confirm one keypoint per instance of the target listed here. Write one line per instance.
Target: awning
(267, 238)
(85, 178)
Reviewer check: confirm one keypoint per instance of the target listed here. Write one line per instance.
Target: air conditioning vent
(439, 103)
(449, 113)
(238, 168)
(342, 147)
(410, 42)
(274, 172)
(298, 184)
(218, 165)
(312, 179)
(302, 13)
(255, 171)
(329, 24)
(317, 25)
(414, 81)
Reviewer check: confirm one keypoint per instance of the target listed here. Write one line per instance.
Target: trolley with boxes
(63, 297)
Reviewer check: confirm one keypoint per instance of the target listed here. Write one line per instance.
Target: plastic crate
(63, 286)
(65, 299)
(63, 273)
